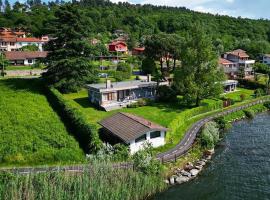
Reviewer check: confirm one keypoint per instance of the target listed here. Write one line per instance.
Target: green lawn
(160, 113)
(17, 67)
(236, 95)
(10, 68)
(31, 132)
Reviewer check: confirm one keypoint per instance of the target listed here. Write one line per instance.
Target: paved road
(186, 143)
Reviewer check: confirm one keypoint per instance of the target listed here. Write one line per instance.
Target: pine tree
(68, 61)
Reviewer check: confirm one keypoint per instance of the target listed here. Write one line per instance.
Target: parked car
(102, 75)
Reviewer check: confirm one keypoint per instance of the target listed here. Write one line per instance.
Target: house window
(12, 43)
(141, 139)
(110, 96)
(154, 134)
(30, 61)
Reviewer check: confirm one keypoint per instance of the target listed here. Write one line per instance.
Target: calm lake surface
(240, 168)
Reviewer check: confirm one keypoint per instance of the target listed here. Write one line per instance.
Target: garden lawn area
(160, 113)
(31, 133)
(10, 68)
(249, 94)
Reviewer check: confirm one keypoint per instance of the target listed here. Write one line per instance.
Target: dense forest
(140, 21)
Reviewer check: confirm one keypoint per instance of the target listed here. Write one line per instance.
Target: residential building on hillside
(266, 59)
(138, 51)
(132, 130)
(111, 96)
(24, 57)
(118, 46)
(237, 62)
(11, 40)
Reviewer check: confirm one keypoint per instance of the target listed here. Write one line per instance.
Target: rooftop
(224, 61)
(128, 127)
(122, 85)
(22, 55)
(239, 52)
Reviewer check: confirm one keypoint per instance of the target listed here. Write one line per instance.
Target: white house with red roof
(234, 61)
(11, 40)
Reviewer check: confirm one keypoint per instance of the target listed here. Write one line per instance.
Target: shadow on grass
(33, 85)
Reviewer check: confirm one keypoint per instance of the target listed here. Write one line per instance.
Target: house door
(120, 95)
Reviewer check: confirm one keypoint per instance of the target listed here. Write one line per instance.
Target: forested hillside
(139, 21)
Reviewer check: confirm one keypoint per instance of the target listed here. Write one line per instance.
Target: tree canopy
(68, 59)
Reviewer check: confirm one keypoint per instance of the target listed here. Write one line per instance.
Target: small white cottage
(133, 131)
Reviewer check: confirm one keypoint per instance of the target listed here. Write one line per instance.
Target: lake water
(240, 168)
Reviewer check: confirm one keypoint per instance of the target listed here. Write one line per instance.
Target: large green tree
(199, 76)
(68, 60)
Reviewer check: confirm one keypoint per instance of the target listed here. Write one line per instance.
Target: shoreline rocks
(190, 170)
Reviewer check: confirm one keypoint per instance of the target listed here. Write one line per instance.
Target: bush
(267, 105)
(166, 94)
(140, 103)
(242, 97)
(210, 135)
(259, 92)
(86, 133)
(249, 84)
(145, 161)
(249, 113)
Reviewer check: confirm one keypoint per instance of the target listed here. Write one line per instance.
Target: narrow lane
(186, 143)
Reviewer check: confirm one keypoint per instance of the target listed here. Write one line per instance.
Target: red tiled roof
(117, 42)
(22, 55)
(139, 48)
(239, 52)
(30, 39)
(224, 61)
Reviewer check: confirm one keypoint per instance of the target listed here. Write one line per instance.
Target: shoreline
(191, 170)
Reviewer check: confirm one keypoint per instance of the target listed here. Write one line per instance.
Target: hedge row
(249, 84)
(85, 132)
(185, 119)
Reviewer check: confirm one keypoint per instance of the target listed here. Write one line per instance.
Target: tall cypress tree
(68, 60)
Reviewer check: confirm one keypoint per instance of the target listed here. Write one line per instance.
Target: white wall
(26, 62)
(156, 142)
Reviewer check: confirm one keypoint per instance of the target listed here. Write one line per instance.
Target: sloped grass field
(31, 132)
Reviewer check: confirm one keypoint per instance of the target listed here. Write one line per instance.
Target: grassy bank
(100, 182)
(31, 133)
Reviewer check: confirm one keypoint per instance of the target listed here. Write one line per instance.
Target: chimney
(108, 83)
(148, 77)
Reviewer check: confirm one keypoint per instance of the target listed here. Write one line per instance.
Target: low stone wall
(32, 72)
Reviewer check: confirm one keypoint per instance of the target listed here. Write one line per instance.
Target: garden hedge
(85, 132)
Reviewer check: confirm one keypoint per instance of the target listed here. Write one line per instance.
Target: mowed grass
(31, 132)
(236, 96)
(159, 113)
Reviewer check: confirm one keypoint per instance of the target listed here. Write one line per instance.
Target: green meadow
(31, 133)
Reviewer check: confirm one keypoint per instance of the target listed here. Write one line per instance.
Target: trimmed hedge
(249, 84)
(85, 132)
(185, 119)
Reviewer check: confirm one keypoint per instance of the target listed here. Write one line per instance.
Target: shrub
(259, 92)
(267, 105)
(249, 113)
(242, 97)
(166, 94)
(249, 84)
(145, 161)
(210, 135)
(85, 132)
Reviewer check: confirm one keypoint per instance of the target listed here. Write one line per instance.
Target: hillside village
(150, 106)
